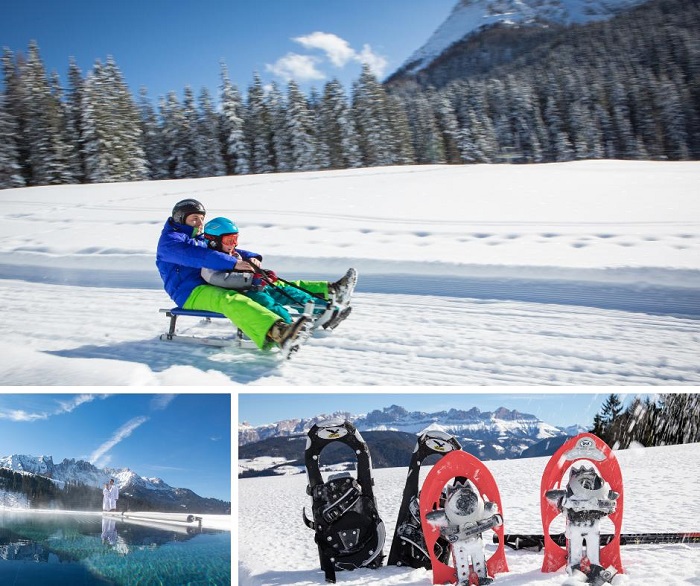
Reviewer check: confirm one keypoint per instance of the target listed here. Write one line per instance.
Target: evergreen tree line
(627, 89)
(43, 493)
(671, 419)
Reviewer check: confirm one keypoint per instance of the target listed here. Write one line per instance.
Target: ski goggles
(230, 240)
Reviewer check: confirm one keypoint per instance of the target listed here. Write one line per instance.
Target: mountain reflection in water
(112, 550)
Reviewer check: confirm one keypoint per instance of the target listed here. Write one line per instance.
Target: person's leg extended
(317, 287)
(267, 299)
(253, 319)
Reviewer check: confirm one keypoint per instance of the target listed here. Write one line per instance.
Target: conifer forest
(627, 88)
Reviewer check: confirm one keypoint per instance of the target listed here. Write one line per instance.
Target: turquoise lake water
(77, 550)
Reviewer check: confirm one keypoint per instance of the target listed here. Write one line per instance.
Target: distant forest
(669, 420)
(44, 493)
(628, 88)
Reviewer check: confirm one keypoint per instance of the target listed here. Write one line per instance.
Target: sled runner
(589, 496)
(408, 546)
(239, 340)
(347, 528)
(473, 479)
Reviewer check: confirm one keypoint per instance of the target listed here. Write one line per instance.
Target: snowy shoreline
(220, 522)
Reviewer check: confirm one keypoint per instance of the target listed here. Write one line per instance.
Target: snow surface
(660, 496)
(584, 273)
(220, 522)
(469, 16)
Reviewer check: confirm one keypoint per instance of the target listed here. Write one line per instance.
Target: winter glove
(257, 283)
(271, 276)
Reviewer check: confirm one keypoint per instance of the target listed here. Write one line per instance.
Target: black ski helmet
(185, 208)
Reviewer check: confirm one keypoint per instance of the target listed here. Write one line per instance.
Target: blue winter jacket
(180, 257)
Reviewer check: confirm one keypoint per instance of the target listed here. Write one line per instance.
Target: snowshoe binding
(460, 512)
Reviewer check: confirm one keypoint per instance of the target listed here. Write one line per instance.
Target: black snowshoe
(348, 530)
(408, 546)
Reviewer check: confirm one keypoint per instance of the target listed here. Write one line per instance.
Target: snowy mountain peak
(469, 16)
(71, 470)
(34, 464)
(499, 423)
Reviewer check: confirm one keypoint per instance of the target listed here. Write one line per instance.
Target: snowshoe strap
(336, 509)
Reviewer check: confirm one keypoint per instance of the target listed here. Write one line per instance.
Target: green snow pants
(318, 287)
(250, 317)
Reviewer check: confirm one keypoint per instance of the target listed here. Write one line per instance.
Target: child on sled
(265, 287)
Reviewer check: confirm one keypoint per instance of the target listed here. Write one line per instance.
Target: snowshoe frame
(347, 528)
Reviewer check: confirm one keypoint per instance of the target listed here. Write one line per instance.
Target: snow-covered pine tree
(14, 106)
(188, 137)
(152, 136)
(47, 145)
(336, 130)
(300, 126)
(672, 119)
(68, 148)
(428, 145)
(234, 146)
(208, 148)
(257, 129)
(177, 152)
(281, 141)
(322, 155)
(370, 113)
(111, 128)
(10, 175)
(446, 121)
(74, 101)
(558, 145)
(401, 131)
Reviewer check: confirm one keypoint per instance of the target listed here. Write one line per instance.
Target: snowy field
(582, 273)
(660, 496)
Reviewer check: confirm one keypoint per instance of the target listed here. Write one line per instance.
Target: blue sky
(561, 409)
(183, 439)
(166, 45)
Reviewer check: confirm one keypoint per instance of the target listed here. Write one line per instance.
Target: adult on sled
(266, 288)
(183, 252)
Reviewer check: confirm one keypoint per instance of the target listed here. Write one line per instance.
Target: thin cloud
(160, 402)
(67, 406)
(297, 67)
(20, 415)
(122, 433)
(77, 401)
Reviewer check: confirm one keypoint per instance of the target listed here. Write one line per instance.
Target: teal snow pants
(275, 297)
(252, 319)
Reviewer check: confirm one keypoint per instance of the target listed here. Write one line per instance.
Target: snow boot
(290, 336)
(338, 316)
(342, 289)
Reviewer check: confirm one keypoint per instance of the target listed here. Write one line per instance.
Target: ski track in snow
(389, 339)
(581, 273)
(272, 506)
